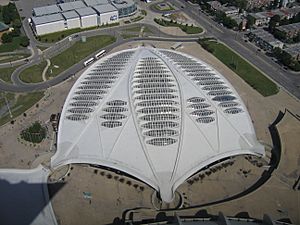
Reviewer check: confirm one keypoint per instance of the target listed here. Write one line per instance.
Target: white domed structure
(156, 114)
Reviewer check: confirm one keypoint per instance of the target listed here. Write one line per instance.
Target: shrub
(35, 133)
(7, 38)
(24, 41)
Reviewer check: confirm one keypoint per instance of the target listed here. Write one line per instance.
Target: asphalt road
(19, 86)
(287, 79)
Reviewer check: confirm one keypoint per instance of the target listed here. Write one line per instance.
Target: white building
(156, 114)
(72, 19)
(95, 2)
(88, 17)
(107, 14)
(48, 24)
(45, 10)
(67, 6)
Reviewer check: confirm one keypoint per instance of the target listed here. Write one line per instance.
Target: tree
(6, 38)
(279, 34)
(250, 21)
(273, 22)
(24, 41)
(9, 13)
(241, 26)
(16, 32)
(297, 38)
(17, 23)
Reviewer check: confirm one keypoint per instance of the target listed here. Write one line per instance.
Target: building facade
(88, 17)
(72, 20)
(48, 24)
(83, 14)
(107, 14)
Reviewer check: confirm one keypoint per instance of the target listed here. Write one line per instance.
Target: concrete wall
(49, 27)
(73, 23)
(89, 21)
(110, 17)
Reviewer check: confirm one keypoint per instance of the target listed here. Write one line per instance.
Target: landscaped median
(77, 52)
(33, 74)
(5, 74)
(66, 59)
(241, 67)
(189, 29)
(57, 36)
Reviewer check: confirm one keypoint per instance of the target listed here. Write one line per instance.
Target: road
(287, 79)
(19, 86)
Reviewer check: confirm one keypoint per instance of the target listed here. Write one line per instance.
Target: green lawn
(138, 29)
(133, 29)
(54, 37)
(147, 30)
(77, 52)
(127, 36)
(11, 58)
(136, 19)
(21, 102)
(189, 29)
(241, 67)
(165, 9)
(5, 73)
(10, 47)
(33, 74)
(144, 12)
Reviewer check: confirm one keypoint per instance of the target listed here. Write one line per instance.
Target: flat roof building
(45, 10)
(95, 2)
(125, 7)
(72, 19)
(71, 5)
(88, 17)
(107, 14)
(290, 30)
(294, 51)
(265, 40)
(155, 114)
(48, 24)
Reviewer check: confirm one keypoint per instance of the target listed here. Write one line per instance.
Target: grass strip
(189, 29)
(241, 67)
(33, 74)
(19, 103)
(77, 52)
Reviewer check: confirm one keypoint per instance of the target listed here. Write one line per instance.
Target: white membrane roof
(157, 114)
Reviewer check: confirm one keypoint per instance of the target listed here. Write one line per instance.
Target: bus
(88, 62)
(99, 54)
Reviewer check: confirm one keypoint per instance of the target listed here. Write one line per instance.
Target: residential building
(265, 40)
(290, 30)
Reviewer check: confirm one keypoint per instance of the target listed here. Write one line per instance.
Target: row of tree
(226, 20)
(276, 21)
(10, 14)
(286, 59)
(11, 17)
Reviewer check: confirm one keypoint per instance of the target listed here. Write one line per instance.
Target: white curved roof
(156, 114)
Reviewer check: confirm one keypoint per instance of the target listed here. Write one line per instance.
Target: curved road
(56, 48)
(287, 79)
